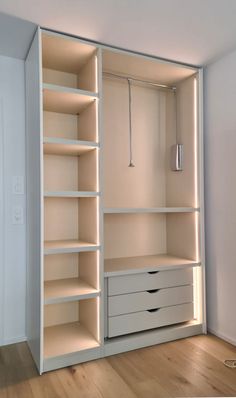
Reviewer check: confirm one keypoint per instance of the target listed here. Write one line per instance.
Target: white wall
(220, 190)
(12, 237)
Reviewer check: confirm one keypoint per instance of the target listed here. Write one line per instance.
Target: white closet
(115, 253)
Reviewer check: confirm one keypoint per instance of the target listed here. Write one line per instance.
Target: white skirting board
(14, 340)
(222, 336)
(152, 337)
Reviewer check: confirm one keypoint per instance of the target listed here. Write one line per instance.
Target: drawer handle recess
(153, 272)
(153, 291)
(153, 310)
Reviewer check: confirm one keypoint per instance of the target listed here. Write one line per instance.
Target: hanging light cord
(131, 164)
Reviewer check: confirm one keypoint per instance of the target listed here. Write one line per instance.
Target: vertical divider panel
(100, 300)
(34, 150)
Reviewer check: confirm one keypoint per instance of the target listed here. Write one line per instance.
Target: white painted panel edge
(99, 138)
(222, 336)
(149, 338)
(201, 197)
(2, 225)
(34, 152)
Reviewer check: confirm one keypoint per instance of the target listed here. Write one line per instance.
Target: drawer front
(134, 302)
(138, 321)
(148, 281)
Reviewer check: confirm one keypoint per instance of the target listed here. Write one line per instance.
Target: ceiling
(191, 31)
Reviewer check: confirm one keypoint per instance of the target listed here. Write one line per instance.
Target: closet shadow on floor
(185, 368)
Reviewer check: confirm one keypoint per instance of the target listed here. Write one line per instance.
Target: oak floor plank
(221, 378)
(107, 380)
(220, 349)
(184, 368)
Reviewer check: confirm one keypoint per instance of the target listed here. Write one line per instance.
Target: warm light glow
(98, 268)
(98, 320)
(97, 202)
(196, 193)
(96, 73)
(196, 270)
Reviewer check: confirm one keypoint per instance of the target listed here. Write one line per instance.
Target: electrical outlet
(18, 185)
(17, 215)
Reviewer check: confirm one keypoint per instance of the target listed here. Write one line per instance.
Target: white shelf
(159, 262)
(67, 338)
(63, 290)
(66, 100)
(68, 246)
(71, 194)
(124, 210)
(62, 146)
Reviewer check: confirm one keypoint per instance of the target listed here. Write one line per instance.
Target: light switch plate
(17, 215)
(18, 185)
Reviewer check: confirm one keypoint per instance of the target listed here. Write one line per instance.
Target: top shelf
(66, 100)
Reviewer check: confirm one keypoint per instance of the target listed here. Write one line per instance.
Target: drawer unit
(148, 281)
(134, 302)
(143, 320)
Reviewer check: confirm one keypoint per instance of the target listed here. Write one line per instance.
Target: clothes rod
(157, 85)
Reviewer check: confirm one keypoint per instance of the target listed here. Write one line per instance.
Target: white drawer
(148, 281)
(134, 302)
(138, 321)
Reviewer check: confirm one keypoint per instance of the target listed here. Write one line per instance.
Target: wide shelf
(67, 338)
(66, 100)
(71, 194)
(129, 210)
(62, 290)
(68, 246)
(62, 146)
(159, 262)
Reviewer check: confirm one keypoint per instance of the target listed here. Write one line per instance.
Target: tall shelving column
(71, 197)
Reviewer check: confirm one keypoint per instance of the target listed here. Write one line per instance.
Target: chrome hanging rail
(154, 84)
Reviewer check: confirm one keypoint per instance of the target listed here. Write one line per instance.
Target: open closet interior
(115, 236)
(71, 195)
(150, 190)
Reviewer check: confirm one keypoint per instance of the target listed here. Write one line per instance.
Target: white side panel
(2, 260)
(34, 199)
(220, 198)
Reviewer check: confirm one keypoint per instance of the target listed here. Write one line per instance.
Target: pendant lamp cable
(131, 164)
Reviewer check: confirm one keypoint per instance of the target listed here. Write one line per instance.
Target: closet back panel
(72, 127)
(72, 265)
(144, 184)
(83, 311)
(70, 219)
(70, 173)
(128, 235)
(61, 266)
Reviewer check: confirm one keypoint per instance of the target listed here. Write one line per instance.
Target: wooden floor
(190, 367)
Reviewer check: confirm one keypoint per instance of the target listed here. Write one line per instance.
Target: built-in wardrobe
(115, 217)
